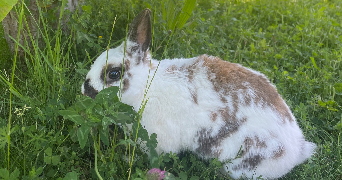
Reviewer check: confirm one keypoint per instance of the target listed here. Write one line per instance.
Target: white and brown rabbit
(204, 104)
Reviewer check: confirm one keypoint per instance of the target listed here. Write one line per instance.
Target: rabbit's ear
(140, 32)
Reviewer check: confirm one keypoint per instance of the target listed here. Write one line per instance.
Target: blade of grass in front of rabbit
(104, 82)
(149, 84)
(149, 70)
(123, 59)
(144, 102)
(120, 95)
(110, 38)
(129, 146)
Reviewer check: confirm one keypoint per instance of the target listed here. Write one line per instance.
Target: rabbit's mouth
(88, 90)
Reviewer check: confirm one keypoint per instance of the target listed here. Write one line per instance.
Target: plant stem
(96, 170)
(12, 80)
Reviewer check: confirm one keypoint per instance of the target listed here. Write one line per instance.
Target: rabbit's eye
(114, 74)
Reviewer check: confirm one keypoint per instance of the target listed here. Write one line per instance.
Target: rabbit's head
(116, 64)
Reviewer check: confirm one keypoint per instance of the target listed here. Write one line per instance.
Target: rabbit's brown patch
(171, 69)
(129, 54)
(193, 96)
(249, 163)
(260, 143)
(127, 65)
(230, 79)
(213, 116)
(125, 85)
(206, 142)
(231, 121)
(231, 125)
(279, 153)
(223, 99)
(217, 152)
(250, 142)
(190, 72)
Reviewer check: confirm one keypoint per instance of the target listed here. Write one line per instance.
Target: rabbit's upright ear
(140, 32)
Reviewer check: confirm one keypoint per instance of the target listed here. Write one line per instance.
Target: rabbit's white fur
(206, 105)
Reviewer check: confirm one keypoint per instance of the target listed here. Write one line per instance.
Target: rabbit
(211, 107)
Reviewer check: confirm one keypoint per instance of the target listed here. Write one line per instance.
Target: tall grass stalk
(104, 82)
(12, 81)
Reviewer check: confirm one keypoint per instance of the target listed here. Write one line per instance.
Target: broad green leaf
(321, 103)
(338, 126)
(14, 175)
(126, 108)
(186, 12)
(39, 171)
(47, 159)
(82, 135)
(106, 95)
(152, 142)
(55, 160)
(183, 175)
(338, 88)
(82, 71)
(48, 151)
(142, 133)
(169, 176)
(94, 119)
(71, 176)
(84, 103)
(123, 118)
(104, 136)
(106, 121)
(72, 115)
(87, 8)
(170, 14)
(194, 178)
(99, 110)
(6, 6)
(4, 174)
(126, 142)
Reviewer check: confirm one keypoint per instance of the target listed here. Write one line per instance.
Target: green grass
(298, 45)
(5, 53)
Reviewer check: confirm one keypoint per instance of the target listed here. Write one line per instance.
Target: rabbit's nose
(88, 90)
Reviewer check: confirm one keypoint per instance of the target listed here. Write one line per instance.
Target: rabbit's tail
(307, 150)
